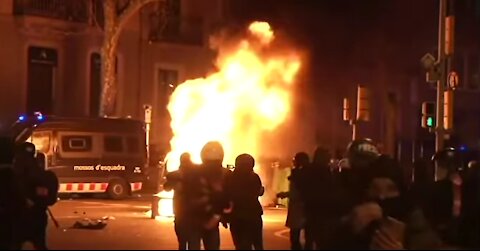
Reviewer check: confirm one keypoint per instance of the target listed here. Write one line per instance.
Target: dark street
(130, 227)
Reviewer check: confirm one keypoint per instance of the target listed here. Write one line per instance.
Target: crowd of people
(27, 190)
(373, 205)
(368, 205)
(208, 195)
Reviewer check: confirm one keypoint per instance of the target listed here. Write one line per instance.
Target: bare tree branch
(132, 8)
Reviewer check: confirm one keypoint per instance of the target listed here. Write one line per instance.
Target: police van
(89, 155)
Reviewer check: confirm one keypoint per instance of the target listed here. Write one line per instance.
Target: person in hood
(243, 189)
(296, 206)
(383, 217)
(321, 198)
(175, 181)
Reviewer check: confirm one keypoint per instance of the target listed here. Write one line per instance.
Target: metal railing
(177, 30)
(68, 10)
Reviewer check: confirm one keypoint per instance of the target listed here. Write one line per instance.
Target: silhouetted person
(10, 202)
(296, 210)
(320, 197)
(443, 196)
(421, 188)
(243, 188)
(206, 196)
(383, 218)
(183, 220)
(470, 216)
(39, 188)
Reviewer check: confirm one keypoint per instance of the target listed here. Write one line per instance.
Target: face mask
(393, 207)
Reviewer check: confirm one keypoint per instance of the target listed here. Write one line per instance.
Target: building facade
(50, 57)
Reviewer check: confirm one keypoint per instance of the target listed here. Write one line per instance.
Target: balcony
(66, 10)
(177, 30)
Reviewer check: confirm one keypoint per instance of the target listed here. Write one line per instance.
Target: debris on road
(88, 223)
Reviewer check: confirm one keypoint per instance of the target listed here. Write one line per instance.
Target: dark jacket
(243, 189)
(176, 181)
(204, 193)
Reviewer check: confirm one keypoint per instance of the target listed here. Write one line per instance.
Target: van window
(133, 145)
(41, 140)
(113, 144)
(77, 143)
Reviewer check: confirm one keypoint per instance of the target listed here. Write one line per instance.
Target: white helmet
(213, 150)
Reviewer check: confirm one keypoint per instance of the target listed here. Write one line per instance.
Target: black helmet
(301, 159)
(321, 156)
(447, 158)
(245, 161)
(26, 149)
(362, 152)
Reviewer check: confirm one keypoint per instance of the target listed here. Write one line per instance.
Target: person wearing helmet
(445, 199)
(204, 191)
(243, 188)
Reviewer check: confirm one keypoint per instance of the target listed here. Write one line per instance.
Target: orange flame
(249, 95)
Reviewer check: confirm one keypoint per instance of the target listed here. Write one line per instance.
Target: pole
(148, 122)
(440, 130)
(354, 130)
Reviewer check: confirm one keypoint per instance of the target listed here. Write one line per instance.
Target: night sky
(377, 43)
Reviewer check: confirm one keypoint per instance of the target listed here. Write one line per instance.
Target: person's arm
(258, 185)
(171, 182)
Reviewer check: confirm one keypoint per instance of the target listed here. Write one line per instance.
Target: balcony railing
(68, 10)
(177, 30)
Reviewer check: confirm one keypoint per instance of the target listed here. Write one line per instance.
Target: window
(113, 144)
(165, 21)
(167, 81)
(77, 143)
(133, 145)
(42, 63)
(41, 140)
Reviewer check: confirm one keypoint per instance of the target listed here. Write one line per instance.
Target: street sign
(453, 80)
(148, 113)
(428, 61)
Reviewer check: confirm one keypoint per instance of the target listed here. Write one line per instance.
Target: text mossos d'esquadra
(99, 168)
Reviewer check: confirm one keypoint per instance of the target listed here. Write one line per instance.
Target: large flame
(249, 95)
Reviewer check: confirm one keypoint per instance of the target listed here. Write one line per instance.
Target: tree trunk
(114, 23)
(109, 50)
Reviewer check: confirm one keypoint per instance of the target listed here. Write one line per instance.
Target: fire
(249, 95)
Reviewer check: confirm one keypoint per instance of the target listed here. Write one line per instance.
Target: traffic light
(448, 110)
(363, 106)
(347, 111)
(428, 114)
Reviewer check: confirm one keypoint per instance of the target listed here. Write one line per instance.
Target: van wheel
(117, 189)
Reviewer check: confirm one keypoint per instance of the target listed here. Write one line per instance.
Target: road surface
(131, 228)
